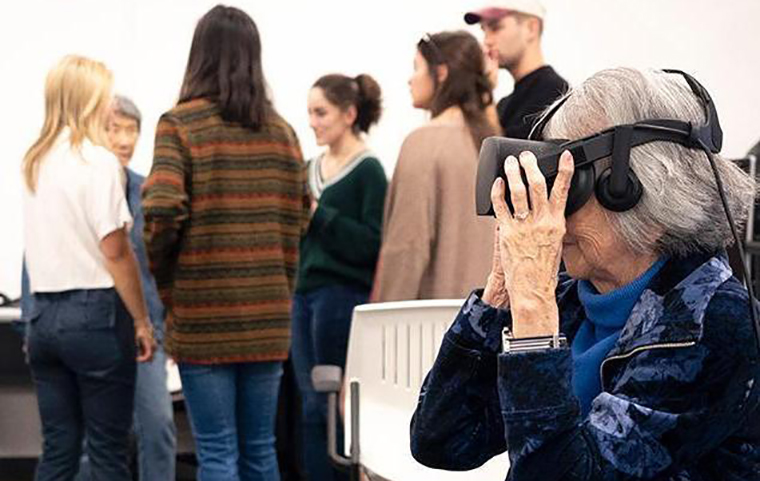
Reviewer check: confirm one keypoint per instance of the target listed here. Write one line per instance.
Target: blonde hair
(77, 91)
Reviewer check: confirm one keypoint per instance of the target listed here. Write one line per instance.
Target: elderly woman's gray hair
(126, 108)
(680, 211)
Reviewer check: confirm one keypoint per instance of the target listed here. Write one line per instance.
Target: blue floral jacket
(679, 399)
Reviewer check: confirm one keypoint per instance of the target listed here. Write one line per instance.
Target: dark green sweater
(343, 240)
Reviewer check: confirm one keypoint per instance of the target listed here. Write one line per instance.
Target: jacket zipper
(668, 345)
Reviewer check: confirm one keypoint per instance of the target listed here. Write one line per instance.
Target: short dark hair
(225, 66)
(361, 92)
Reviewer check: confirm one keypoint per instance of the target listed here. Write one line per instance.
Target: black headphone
(616, 188)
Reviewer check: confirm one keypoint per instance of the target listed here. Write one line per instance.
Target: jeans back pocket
(101, 309)
(87, 310)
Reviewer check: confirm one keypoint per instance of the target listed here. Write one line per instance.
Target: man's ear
(535, 27)
(442, 72)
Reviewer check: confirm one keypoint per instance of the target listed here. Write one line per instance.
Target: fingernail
(524, 155)
(511, 160)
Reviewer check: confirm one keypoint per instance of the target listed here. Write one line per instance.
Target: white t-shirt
(79, 200)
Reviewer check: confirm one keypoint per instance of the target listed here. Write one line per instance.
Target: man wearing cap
(513, 31)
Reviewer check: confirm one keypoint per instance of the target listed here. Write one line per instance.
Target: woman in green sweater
(340, 249)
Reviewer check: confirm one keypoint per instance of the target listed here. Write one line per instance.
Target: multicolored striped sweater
(225, 207)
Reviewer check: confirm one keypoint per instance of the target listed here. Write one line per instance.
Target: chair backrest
(391, 348)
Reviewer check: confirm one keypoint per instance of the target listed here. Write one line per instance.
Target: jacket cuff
(536, 382)
(479, 326)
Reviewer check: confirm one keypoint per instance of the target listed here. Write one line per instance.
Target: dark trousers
(288, 428)
(82, 356)
(321, 326)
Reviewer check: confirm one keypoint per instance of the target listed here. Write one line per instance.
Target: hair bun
(369, 105)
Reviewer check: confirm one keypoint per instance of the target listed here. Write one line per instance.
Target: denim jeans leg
(154, 422)
(315, 462)
(58, 402)
(333, 311)
(88, 336)
(320, 331)
(103, 354)
(210, 398)
(258, 388)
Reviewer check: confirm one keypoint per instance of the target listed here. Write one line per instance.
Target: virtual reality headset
(616, 187)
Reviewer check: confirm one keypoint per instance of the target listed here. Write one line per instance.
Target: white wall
(146, 42)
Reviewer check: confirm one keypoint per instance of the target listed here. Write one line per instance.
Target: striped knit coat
(225, 207)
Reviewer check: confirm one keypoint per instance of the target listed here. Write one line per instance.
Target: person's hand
(530, 242)
(144, 340)
(314, 205)
(495, 294)
(491, 64)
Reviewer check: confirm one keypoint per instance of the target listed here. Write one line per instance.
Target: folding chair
(391, 348)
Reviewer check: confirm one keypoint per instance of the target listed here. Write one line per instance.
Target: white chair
(391, 348)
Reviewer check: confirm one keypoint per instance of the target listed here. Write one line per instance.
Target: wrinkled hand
(530, 242)
(144, 341)
(495, 294)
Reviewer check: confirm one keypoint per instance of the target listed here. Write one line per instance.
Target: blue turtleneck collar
(606, 314)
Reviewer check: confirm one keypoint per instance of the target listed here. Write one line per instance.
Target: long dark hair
(361, 92)
(225, 67)
(466, 85)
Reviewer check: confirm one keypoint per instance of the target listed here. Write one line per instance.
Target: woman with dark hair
(429, 213)
(339, 251)
(225, 206)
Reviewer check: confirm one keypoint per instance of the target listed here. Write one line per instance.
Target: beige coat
(434, 245)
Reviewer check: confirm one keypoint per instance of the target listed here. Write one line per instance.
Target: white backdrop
(146, 43)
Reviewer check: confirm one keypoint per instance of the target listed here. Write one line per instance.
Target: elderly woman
(659, 375)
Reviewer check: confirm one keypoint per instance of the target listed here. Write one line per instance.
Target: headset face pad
(491, 165)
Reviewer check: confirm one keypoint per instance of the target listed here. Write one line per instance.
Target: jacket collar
(134, 185)
(670, 310)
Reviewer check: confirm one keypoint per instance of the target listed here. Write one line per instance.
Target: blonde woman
(88, 320)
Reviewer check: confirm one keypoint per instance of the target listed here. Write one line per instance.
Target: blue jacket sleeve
(684, 413)
(27, 301)
(457, 424)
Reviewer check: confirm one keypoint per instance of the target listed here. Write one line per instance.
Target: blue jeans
(154, 424)
(321, 326)
(81, 352)
(154, 421)
(232, 410)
